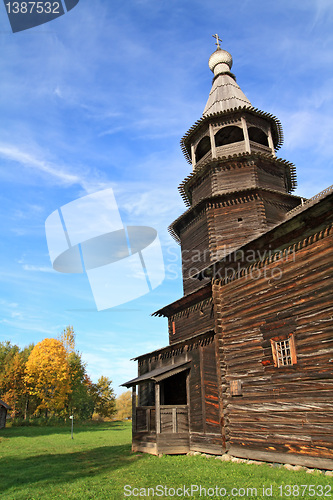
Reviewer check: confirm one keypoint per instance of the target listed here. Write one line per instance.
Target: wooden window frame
(286, 343)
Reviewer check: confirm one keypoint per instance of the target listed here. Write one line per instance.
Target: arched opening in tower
(258, 136)
(203, 147)
(228, 135)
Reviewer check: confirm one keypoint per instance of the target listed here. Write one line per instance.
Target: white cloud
(39, 269)
(310, 130)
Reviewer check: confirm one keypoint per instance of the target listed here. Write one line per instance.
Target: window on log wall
(284, 351)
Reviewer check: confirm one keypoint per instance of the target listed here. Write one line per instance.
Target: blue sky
(100, 98)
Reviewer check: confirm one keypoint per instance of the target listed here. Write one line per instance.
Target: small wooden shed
(3, 413)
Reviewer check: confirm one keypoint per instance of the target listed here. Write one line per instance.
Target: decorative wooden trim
(293, 349)
(181, 347)
(310, 202)
(194, 307)
(275, 359)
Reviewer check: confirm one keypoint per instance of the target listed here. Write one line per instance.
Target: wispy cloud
(13, 153)
(62, 175)
(308, 129)
(39, 269)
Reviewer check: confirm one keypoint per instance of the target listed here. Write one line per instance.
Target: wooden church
(249, 366)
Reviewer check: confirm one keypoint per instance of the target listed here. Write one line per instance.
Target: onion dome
(220, 62)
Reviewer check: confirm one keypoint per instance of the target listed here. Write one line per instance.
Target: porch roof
(2, 403)
(159, 373)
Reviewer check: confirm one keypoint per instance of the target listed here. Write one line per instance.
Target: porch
(162, 427)
(163, 431)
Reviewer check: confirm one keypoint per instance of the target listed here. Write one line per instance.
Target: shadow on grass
(55, 469)
(33, 431)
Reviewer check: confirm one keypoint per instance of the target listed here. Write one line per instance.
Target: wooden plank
(293, 459)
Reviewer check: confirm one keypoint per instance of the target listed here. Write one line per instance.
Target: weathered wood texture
(144, 442)
(174, 419)
(225, 226)
(3, 415)
(276, 208)
(210, 389)
(173, 444)
(286, 410)
(205, 432)
(145, 419)
(234, 222)
(193, 320)
(195, 251)
(146, 392)
(238, 175)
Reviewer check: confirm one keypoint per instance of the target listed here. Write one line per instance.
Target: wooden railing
(145, 419)
(173, 419)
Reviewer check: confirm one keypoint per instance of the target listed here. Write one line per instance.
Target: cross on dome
(218, 40)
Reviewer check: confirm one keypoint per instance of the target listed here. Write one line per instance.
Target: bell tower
(238, 188)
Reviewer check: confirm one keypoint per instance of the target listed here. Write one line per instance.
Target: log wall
(195, 251)
(288, 410)
(197, 319)
(224, 179)
(205, 431)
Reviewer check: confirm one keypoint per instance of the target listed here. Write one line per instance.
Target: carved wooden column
(158, 407)
(134, 408)
(270, 141)
(212, 140)
(246, 136)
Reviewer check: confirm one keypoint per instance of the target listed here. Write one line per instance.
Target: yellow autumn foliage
(48, 375)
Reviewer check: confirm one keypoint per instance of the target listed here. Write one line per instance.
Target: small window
(173, 328)
(284, 351)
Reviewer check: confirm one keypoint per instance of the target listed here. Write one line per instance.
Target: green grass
(42, 463)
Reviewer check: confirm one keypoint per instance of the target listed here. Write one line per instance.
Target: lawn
(42, 463)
